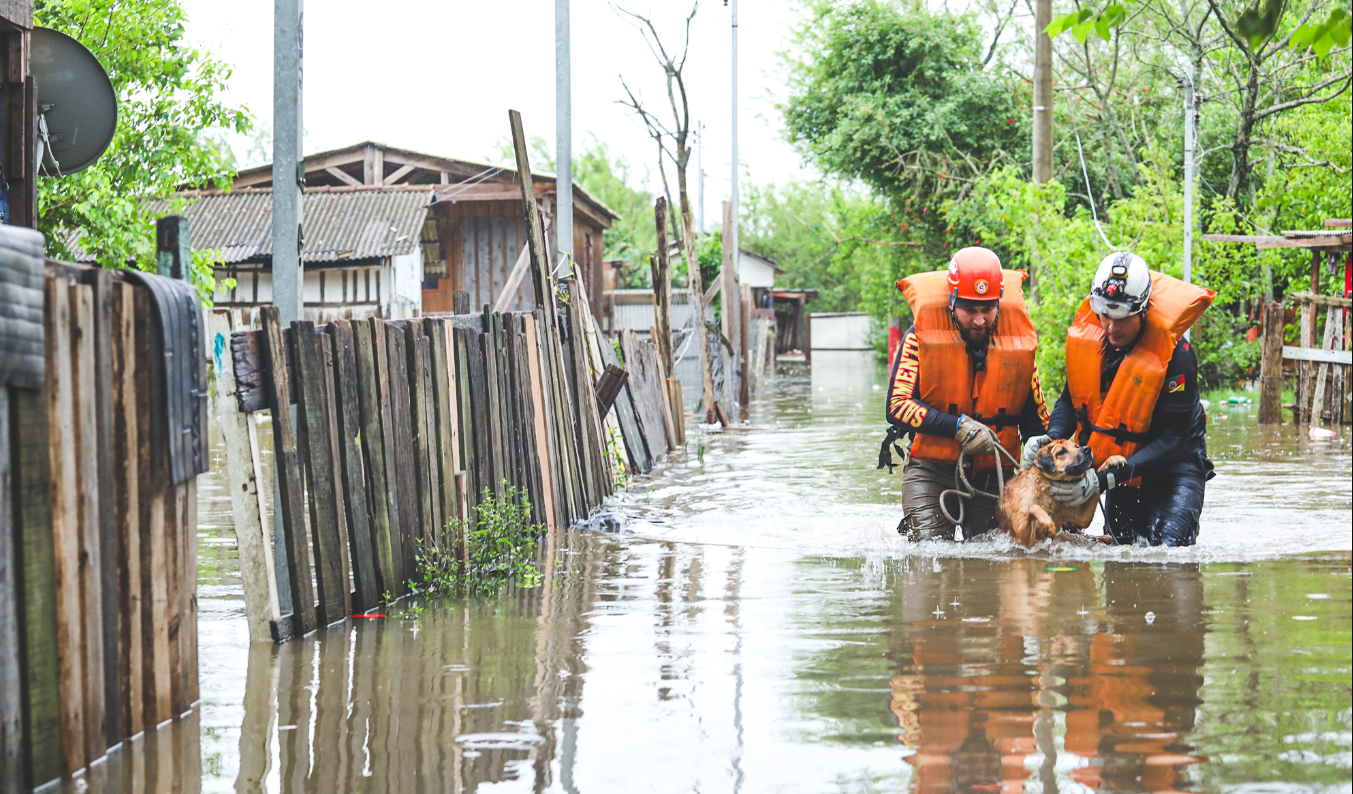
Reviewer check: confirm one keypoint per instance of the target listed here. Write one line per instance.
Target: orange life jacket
(1117, 422)
(997, 394)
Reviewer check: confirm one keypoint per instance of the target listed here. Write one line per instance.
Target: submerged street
(755, 624)
(746, 619)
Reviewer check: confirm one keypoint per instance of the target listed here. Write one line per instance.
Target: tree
(898, 97)
(168, 110)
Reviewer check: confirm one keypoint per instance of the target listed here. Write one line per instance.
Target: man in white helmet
(1132, 397)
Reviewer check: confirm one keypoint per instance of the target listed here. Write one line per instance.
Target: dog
(1027, 510)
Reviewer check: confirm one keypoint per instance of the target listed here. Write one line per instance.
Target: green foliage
(608, 178)
(1335, 31)
(1258, 22)
(500, 543)
(1085, 21)
(169, 117)
(897, 97)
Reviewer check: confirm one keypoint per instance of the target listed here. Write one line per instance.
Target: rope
(968, 491)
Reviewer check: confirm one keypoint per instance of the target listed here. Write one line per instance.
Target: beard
(975, 339)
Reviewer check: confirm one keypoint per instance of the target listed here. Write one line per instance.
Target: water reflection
(1028, 673)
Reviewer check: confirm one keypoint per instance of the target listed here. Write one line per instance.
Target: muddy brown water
(747, 620)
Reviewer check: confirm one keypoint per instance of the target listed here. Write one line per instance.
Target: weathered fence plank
(405, 460)
(288, 504)
(330, 578)
(380, 439)
(126, 482)
(349, 429)
(244, 479)
(153, 465)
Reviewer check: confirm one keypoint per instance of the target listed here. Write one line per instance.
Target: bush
(499, 544)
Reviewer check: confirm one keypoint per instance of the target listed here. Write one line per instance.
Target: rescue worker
(964, 380)
(1132, 390)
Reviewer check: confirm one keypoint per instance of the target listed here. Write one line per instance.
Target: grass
(499, 544)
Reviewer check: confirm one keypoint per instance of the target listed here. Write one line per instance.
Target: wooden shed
(475, 231)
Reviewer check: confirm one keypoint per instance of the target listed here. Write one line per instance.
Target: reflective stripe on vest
(996, 396)
(1117, 423)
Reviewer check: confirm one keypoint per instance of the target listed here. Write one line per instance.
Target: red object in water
(370, 615)
(894, 339)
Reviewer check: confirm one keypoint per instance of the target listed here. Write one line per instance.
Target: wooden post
(11, 673)
(244, 478)
(696, 285)
(1333, 318)
(728, 275)
(744, 336)
(1305, 369)
(1271, 366)
(289, 503)
(173, 254)
(460, 302)
(662, 285)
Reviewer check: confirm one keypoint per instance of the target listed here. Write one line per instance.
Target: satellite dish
(77, 109)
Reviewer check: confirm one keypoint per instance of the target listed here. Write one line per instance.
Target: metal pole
(730, 298)
(700, 176)
(734, 170)
(288, 179)
(563, 131)
(1190, 136)
(1042, 131)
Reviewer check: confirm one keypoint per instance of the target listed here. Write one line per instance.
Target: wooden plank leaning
(433, 443)
(402, 433)
(245, 481)
(325, 505)
(65, 526)
(288, 503)
(544, 442)
(153, 468)
(33, 510)
(493, 404)
(416, 349)
(100, 398)
(84, 393)
(349, 429)
(443, 404)
(635, 446)
(377, 459)
(11, 603)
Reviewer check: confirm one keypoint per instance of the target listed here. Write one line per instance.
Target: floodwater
(747, 620)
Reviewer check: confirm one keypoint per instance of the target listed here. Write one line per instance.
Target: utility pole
(1190, 139)
(700, 176)
(731, 292)
(288, 182)
(1042, 131)
(563, 133)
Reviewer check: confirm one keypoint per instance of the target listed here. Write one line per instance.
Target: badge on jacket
(1175, 385)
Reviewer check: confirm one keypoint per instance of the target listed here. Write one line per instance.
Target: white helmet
(1122, 286)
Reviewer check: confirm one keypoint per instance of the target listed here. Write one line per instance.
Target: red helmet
(975, 275)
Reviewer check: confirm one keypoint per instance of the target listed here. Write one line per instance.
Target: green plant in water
(483, 554)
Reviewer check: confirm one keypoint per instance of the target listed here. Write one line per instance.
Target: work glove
(1076, 492)
(1031, 448)
(974, 437)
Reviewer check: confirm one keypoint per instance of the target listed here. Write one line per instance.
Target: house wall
(753, 272)
(482, 240)
(406, 273)
(839, 331)
(364, 290)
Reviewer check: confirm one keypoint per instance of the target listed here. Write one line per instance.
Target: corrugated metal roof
(339, 225)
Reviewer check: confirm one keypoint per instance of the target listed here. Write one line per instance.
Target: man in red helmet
(964, 381)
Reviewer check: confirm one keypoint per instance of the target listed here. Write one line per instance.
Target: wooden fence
(98, 542)
(1322, 385)
(400, 426)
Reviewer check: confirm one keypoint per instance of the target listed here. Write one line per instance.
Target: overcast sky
(439, 77)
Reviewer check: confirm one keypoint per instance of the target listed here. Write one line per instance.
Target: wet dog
(1027, 510)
